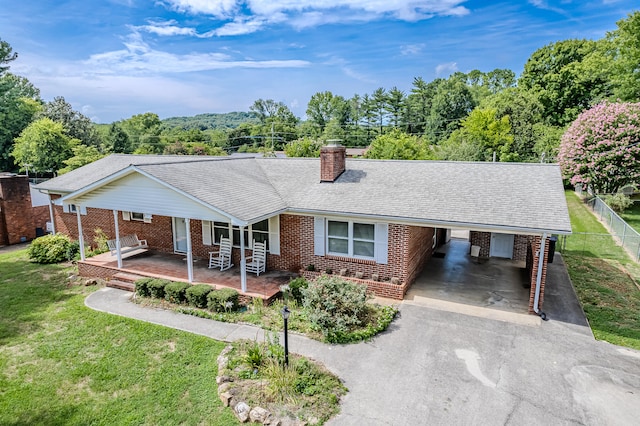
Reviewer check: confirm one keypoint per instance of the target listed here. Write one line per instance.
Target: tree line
(474, 116)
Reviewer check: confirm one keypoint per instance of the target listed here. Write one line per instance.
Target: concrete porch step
(126, 277)
(122, 285)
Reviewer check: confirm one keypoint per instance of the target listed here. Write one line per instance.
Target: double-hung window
(353, 239)
(258, 231)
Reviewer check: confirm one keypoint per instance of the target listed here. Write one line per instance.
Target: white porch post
(189, 251)
(80, 236)
(117, 228)
(243, 263)
(53, 220)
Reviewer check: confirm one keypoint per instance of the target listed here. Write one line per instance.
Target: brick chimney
(332, 161)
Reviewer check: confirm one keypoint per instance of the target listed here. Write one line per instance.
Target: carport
(453, 275)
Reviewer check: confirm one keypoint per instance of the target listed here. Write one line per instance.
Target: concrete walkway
(443, 368)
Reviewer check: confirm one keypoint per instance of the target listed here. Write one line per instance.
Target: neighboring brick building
(376, 221)
(21, 219)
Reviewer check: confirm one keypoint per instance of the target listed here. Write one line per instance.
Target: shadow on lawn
(46, 416)
(27, 290)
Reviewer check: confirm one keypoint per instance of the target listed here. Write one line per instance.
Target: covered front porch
(150, 263)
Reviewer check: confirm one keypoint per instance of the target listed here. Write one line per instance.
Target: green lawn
(605, 278)
(62, 363)
(632, 216)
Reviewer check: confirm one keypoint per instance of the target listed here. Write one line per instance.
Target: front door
(501, 245)
(179, 235)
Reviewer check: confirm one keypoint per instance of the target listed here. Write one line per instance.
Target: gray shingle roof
(487, 195)
(511, 195)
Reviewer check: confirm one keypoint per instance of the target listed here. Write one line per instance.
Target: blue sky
(112, 59)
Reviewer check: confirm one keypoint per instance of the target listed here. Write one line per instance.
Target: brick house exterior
(376, 222)
(19, 218)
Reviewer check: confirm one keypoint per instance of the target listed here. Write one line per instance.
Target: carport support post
(536, 299)
(80, 237)
(243, 263)
(189, 250)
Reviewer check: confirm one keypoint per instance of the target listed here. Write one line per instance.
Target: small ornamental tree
(601, 148)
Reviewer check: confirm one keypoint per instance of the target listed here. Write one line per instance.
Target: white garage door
(501, 245)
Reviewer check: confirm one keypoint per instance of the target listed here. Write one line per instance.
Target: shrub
(295, 288)
(50, 248)
(335, 305)
(197, 295)
(100, 239)
(142, 286)
(156, 287)
(176, 292)
(618, 202)
(225, 299)
(73, 250)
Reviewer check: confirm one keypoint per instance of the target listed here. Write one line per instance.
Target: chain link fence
(622, 237)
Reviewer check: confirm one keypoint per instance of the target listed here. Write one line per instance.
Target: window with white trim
(136, 216)
(352, 239)
(258, 231)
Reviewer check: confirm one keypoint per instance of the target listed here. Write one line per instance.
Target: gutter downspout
(536, 299)
(53, 221)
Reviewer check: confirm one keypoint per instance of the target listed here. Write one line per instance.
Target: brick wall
(16, 217)
(158, 233)
(482, 239)
(40, 217)
(533, 268)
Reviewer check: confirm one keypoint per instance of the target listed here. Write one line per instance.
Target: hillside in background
(230, 120)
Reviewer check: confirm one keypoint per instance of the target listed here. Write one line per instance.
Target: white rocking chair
(257, 262)
(221, 258)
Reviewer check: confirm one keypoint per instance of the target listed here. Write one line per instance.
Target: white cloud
(544, 4)
(139, 58)
(446, 68)
(251, 15)
(412, 49)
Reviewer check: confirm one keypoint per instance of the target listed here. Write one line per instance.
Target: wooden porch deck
(174, 267)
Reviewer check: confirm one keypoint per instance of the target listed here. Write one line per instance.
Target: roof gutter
(435, 223)
(536, 299)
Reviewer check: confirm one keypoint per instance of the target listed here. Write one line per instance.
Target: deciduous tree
(43, 146)
(397, 145)
(601, 148)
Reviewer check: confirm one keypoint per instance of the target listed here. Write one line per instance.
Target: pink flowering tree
(601, 148)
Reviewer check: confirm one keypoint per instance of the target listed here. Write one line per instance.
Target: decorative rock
(241, 411)
(90, 281)
(359, 274)
(272, 421)
(375, 277)
(258, 415)
(224, 387)
(223, 361)
(395, 280)
(343, 272)
(225, 397)
(222, 379)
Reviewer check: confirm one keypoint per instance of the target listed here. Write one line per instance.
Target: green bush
(225, 299)
(156, 287)
(618, 202)
(384, 315)
(335, 305)
(197, 295)
(52, 248)
(175, 292)
(142, 286)
(295, 288)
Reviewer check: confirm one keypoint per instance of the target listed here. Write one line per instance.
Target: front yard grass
(62, 363)
(605, 278)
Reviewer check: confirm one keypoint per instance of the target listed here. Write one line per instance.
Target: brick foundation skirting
(378, 288)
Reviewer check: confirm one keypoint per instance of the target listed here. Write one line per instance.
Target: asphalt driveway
(445, 368)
